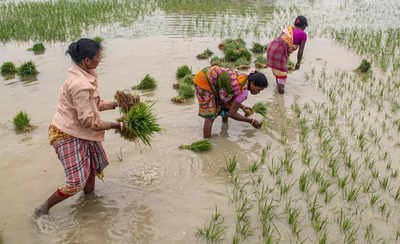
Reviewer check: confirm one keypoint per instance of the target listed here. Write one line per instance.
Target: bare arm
(233, 113)
(107, 105)
(300, 54)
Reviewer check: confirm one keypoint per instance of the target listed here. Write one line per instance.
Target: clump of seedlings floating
(147, 83)
(126, 100)
(182, 71)
(140, 123)
(22, 122)
(37, 48)
(205, 54)
(235, 49)
(198, 146)
(27, 70)
(98, 39)
(8, 69)
(258, 48)
(364, 67)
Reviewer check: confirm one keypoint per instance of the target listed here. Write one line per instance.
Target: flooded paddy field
(323, 169)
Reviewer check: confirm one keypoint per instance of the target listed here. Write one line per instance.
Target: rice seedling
(287, 160)
(198, 146)
(364, 67)
(147, 83)
(188, 79)
(273, 169)
(182, 71)
(8, 69)
(367, 185)
(22, 122)
(253, 167)
(205, 54)
(293, 214)
(140, 123)
(306, 156)
(323, 186)
(397, 234)
(384, 183)
(283, 139)
(126, 100)
(258, 48)
(342, 182)
(323, 238)
(231, 164)
(369, 232)
(234, 53)
(375, 173)
(214, 231)
(304, 183)
(345, 223)
(37, 48)
(354, 173)
(352, 195)
(329, 196)
(27, 69)
(284, 189)
(396, 196)
(260, 108)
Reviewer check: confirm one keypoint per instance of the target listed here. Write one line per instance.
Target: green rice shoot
(147, 83)
(188, 79)
(22, 122)
(198, 146)
(260, 108)
(8, 68)
(182, 71)
(140, 123)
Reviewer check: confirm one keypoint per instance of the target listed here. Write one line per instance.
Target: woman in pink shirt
(76, 131)
(279, 50)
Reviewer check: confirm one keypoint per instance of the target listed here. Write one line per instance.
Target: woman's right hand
(255, 123)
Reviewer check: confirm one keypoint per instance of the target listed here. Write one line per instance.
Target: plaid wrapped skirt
(278, 55)
(79, 158)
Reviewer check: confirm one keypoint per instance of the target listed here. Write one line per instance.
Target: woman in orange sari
(291, 39)
(221, 91)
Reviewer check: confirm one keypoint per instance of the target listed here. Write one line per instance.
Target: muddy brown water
(157, 194)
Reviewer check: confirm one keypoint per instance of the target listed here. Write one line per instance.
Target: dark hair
(83, 48)
(301, 22)
(258, 79)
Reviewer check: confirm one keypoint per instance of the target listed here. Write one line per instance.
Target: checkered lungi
(277, 55)
(79, 158)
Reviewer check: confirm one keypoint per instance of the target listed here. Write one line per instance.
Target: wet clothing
(79, 106)
(80, 158)
(213, 94)
(278, 51)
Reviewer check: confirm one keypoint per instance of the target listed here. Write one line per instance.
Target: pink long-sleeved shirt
(79, 106)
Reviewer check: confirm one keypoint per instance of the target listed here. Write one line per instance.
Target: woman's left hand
(297, 66)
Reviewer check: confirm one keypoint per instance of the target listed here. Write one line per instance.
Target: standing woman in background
(76, 131)
(278, 50)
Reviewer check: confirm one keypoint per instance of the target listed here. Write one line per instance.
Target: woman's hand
(118, 126)
(255, 123)
(297, 66)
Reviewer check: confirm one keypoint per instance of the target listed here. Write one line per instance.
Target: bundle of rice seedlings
(238, 43)
(188, 79)
(140, 123)
(215, 60)
(37, 48)
(364, 67)
(242, 63)
(182, 71)
(98, 39)
(22, 122)
(224, 81)
(198, 146)
(178, 99)
(28, 69)
(8, 68)
(291, 65)
(205, 54)
(148, 83)
(260, 108)
(260, 62)
(186, 90)
(126, 100)
(232, 53)
(258, 48)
